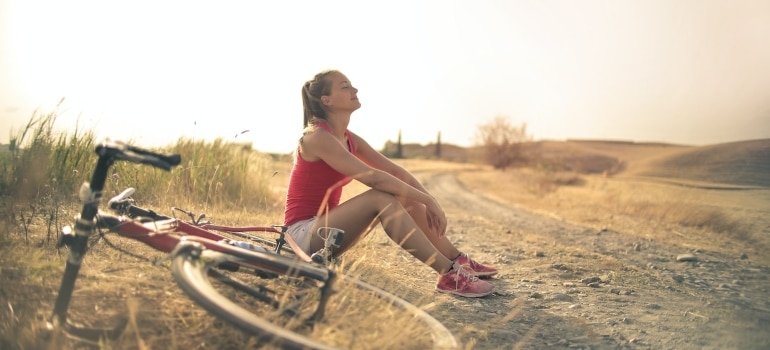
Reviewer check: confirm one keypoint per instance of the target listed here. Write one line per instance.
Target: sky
(693, 72)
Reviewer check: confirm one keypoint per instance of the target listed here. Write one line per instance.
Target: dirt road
(563, 285)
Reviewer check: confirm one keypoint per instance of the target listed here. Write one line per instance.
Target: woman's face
(343, 95)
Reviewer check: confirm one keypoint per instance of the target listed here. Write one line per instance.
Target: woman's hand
(436, 218)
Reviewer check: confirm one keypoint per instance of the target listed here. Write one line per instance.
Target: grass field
(719, 192)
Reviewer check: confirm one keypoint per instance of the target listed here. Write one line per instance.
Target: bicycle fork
(78, 245)
(85, 226)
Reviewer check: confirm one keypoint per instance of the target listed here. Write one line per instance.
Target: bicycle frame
(124, 205)
(169, 235)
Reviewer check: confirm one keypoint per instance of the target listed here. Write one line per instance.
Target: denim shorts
(300, 232)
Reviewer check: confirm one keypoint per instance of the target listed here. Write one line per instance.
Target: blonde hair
(312, 91)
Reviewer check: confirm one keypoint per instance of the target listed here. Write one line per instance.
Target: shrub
(501, 142)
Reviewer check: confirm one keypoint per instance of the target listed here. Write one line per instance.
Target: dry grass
(736, 220)
(114, 285)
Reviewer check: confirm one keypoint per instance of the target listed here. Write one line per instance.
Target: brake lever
(122, 200)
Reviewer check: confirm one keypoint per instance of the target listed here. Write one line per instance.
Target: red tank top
(314, 187)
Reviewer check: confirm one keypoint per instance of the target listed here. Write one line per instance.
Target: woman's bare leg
(356, 216)
(417, 212)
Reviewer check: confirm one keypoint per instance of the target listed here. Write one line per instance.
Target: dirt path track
(566, 286)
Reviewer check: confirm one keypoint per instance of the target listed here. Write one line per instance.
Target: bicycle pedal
(332, 237)
(319, 257)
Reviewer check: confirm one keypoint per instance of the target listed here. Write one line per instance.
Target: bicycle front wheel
(289, 303)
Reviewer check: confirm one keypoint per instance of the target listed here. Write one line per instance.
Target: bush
(502, 142)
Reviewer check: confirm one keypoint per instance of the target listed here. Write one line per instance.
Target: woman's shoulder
(314, 140)
(314, 132)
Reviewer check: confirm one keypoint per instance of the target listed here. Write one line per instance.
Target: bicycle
(204, 261)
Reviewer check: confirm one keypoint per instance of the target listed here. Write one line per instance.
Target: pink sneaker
(460, 281)
(475, 268)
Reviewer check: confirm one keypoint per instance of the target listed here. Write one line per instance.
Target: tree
(502, 142)
(399, 146)
(438, 146)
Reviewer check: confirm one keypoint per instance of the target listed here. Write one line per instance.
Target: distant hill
(738, 163)
(744, 163)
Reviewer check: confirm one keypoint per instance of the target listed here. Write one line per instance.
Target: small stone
(686, 257)
(678, 278)
(569, 284)
(589, 280)
(615, 291)
(744, 256)
(539, 254)
(560, 267)
(560, 297)
(594, 285)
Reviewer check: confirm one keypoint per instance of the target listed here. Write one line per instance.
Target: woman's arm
(376, 160)
(375, 172)
(321, 145)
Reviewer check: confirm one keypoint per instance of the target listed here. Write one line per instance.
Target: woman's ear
(326, 100)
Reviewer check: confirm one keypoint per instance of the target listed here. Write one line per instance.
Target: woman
(329, 156)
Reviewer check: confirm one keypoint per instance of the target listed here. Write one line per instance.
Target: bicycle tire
(194, 270)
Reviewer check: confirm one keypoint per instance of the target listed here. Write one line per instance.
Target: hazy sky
(684, 71)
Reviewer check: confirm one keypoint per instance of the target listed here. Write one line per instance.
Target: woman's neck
(338, 123)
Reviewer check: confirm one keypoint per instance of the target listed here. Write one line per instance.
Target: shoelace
(461, 271)
(473, 264)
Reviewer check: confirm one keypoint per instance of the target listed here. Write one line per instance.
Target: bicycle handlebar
(120, 150)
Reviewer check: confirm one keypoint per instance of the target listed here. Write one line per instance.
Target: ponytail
(312, 91)
(307, 107)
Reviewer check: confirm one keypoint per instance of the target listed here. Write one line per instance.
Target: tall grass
(221, 174)
(39, 172)
(41, 175)
(42, 170)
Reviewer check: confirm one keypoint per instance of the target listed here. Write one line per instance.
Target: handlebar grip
(172, 160)
(120, 150)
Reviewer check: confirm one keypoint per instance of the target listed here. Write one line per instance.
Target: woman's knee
(383, 199)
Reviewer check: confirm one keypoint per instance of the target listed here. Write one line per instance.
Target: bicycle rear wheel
(290, 309)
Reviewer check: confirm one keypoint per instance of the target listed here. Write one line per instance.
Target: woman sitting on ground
(329, 156)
